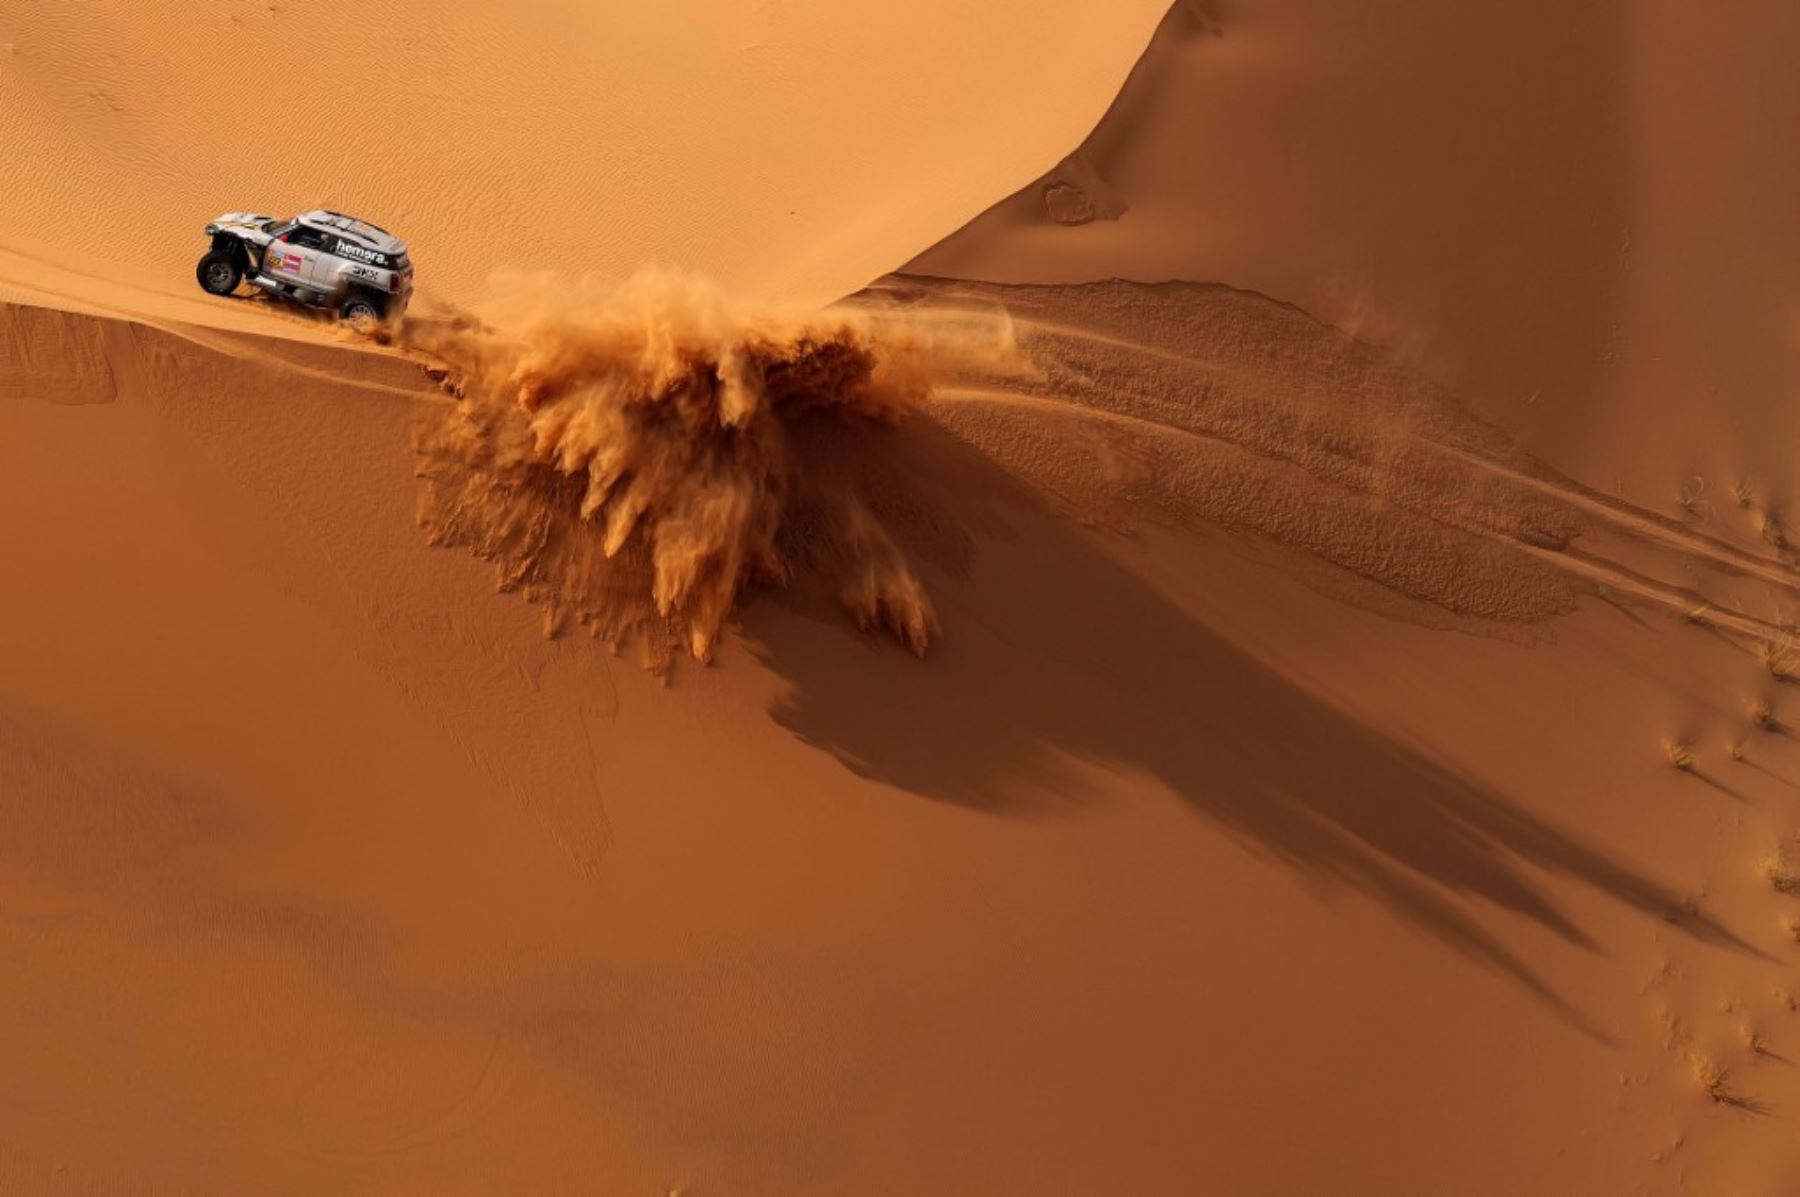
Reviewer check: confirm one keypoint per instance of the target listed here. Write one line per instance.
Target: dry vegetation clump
(1744, 492)
(1779, 873)
(1770, 527)
(1736, 749)
(1777, 656)
(1680, 754)
(1692, 501)
(1714, 1079)
(1762, 715)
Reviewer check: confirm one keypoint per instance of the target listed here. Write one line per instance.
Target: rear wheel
(219, 272)
(360, 310)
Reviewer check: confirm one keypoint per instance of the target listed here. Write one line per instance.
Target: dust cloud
(627, 458)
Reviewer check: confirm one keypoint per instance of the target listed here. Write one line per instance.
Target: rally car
(320, 258)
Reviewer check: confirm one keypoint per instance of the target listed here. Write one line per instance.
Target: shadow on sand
(1054, 651)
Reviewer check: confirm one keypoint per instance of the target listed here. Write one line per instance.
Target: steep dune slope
(792, 150)
(1156, 854)
(1577, 214)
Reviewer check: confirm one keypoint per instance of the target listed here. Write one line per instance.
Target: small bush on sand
(1714, 1079)
(1779, 873)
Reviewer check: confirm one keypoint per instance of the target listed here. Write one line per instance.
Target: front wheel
(219, 273)
(360, 310)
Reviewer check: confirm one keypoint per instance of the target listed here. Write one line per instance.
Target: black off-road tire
(360, 310)
(219, 272)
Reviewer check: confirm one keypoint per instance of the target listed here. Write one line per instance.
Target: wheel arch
(238, 248)
(378, 299)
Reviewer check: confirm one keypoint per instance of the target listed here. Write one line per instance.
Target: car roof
(361, 231)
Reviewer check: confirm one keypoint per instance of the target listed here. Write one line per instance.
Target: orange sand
(1350, 755)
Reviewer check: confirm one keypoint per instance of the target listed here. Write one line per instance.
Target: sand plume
(625, 456)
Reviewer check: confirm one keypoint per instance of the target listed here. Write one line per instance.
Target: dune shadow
(1056, 658)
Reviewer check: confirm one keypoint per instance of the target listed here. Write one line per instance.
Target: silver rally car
(320, 258)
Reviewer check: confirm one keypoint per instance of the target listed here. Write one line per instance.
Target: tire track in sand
(1200, 402)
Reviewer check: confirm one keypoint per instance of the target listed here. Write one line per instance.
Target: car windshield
(282, 229)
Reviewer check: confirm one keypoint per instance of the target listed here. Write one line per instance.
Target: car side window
(307, 239)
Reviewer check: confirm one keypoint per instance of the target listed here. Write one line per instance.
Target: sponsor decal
(366, 273)
(350, 249)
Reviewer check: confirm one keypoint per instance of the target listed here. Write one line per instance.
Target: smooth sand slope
(1319, 780)
(791, 150)
(1579, 214)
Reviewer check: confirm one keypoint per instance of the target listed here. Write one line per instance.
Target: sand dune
(1574, 214)
(763, 144)
(503, 878)
(1327, 771)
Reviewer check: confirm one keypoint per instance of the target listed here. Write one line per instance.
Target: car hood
(250, 226)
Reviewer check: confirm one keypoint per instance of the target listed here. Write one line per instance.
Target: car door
(294, 257)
